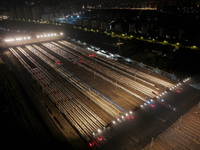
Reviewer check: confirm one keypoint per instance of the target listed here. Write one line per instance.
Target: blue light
(78, 16)
(148, 102)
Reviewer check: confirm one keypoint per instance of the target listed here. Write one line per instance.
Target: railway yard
(91, 91)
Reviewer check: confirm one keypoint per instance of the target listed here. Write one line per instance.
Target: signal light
(99, 130)
(92, 55)
(99, 138)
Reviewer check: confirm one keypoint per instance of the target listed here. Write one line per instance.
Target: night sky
(14, 2)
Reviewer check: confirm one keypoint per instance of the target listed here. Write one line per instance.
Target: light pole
(118, 44)
(151, 142)
(59, 107)
(76, 34)
(180, 120)
(116, 86)
(90, 94)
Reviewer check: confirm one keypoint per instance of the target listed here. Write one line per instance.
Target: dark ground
(21, 124)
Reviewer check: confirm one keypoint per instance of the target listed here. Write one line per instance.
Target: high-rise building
(20, 12)
(118, 27)
(36, 11)
(103, 25)
(28, 13)
(85, 23)
(132, 28)
(95, 24)
(13, 12)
